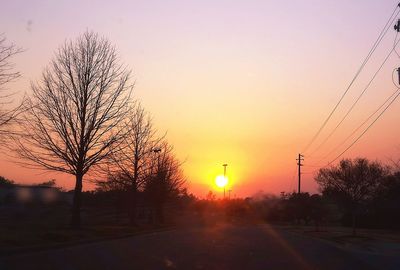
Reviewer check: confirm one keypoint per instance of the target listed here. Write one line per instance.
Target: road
(220, 247)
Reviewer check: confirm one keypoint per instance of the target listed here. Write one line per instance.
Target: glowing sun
(221, 181)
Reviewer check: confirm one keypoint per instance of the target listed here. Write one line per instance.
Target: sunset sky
(247, 83)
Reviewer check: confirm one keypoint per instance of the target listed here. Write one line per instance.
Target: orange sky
(240, 82)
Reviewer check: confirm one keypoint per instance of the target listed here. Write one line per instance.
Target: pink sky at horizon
(246, 83)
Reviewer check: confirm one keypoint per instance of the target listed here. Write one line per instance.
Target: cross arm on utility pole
(299, 164)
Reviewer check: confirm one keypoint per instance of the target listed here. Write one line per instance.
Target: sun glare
(221, 181)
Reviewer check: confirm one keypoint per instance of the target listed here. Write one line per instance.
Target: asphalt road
(219, 247)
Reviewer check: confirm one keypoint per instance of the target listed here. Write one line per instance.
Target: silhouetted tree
(113, 191)
(352, 182)
(211, 196)
(114, 182)
(4, 182)
(131, 159)
(164, 179)
(385, 205)
(75, 117)
(298, 207)
(50, 183)
(7, 74)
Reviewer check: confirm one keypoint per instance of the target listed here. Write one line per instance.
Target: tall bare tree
(130, 160)
(75, 116)
(164, 179)
(7, 74)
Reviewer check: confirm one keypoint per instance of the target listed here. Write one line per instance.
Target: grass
(47, 227)
(366, 240)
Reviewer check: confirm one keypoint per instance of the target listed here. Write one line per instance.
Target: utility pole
(224, 176)
(299, 160)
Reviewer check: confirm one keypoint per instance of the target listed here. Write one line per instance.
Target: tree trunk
(132, 214)
(76, 204)
(133, 204)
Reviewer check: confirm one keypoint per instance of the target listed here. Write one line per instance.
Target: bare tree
(354, 182)
(131, 159)
(113, 182)
(75, 116)
(7, 74)
(164, 180)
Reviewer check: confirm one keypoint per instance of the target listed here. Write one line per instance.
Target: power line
(395, 40)
(293, 179)
(365, 131)
(357, 100)
(376, 44)
(312, 166)
(397, 91)
(361, 125)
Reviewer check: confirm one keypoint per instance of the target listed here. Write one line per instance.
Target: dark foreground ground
(214, 247)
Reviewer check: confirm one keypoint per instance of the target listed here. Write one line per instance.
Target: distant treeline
(357, 193)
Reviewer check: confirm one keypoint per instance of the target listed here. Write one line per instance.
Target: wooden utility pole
(299, 160)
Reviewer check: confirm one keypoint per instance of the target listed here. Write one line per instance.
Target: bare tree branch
(129, 163)
(7, 74)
